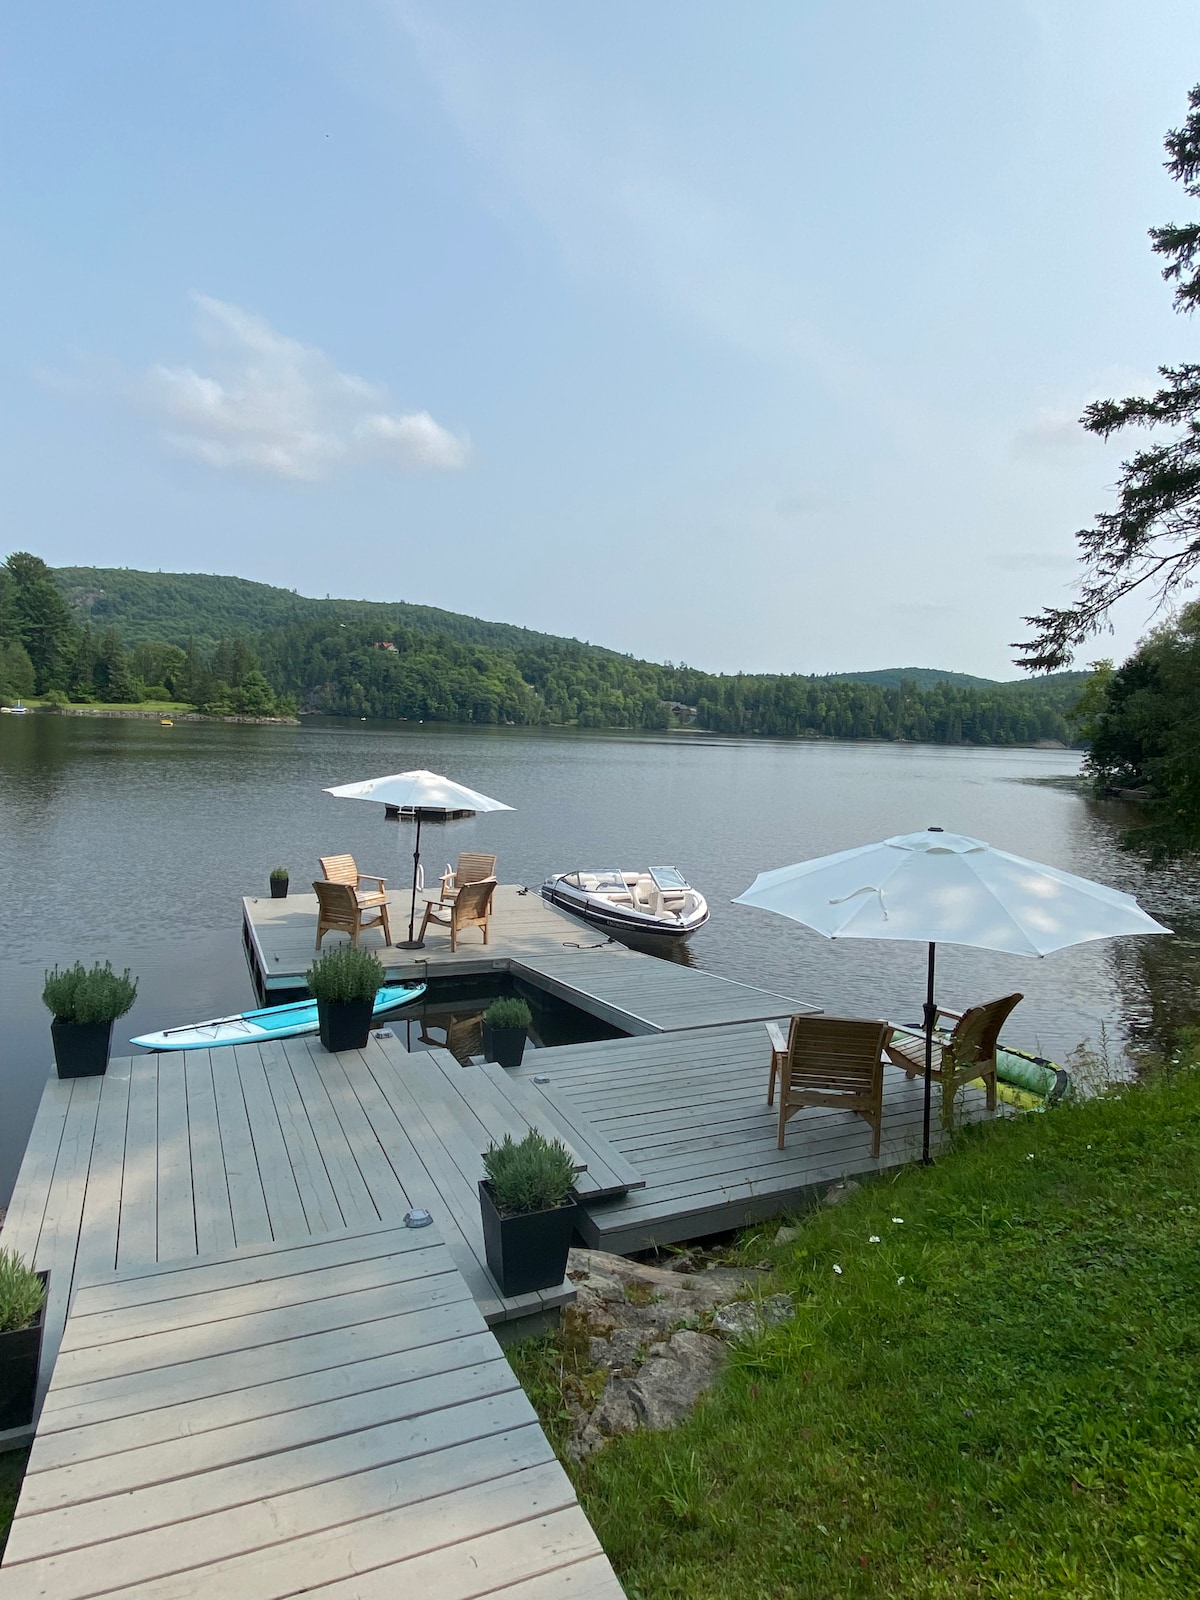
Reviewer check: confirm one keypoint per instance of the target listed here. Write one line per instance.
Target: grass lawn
(12, 1470)
(998, 1393)
(165, 708)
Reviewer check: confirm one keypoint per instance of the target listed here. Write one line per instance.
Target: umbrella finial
(935, 829)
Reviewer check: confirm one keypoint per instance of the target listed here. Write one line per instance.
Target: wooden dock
(330, 1418)
(530, 941)
(689, 1111)
(168, 1158)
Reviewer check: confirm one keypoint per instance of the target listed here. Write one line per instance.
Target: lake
(128, 841)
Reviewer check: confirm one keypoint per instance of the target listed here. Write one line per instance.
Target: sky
(747, 336)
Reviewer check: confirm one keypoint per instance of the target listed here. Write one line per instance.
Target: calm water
(133, 842)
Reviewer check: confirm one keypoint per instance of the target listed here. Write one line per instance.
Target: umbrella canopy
(418, 791)
(946, 888)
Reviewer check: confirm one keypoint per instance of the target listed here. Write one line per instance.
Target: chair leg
(989, 1084)
(485, 930)
(321, 932)
(383, 922)
(771, 1084)
(948, 1087)
(876, 1121)
(782, 1114)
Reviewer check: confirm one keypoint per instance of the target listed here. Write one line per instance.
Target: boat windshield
(606, 881)
(669, 878)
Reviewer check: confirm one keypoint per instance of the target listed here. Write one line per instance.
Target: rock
(787, 1235)
(623, 1350)
(663, 1392)
(840, 1191)
(602, 1280)
(746, 1319)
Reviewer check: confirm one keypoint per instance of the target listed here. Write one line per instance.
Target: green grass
(12, 1470)
(999, 1398)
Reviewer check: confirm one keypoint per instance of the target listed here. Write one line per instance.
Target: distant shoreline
(154, 714)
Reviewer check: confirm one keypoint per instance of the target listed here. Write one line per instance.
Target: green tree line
(418, 663)
(46, 652)
(1143, 721)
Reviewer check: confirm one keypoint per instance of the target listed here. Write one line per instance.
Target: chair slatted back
(834, 1054)
(977, 1034)
(473, 868)
(339, 869)
(474, 903)
(337, 906)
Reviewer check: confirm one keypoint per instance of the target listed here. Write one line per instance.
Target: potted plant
(527, 1202)
(22, 1318)
(279, 883)
(504, 1031)
(85, 1002)
(344, 983)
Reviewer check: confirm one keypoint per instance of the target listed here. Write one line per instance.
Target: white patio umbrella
(946, 888)
(418, 791)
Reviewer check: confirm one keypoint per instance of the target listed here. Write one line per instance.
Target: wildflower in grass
(837, 1269)
(1029, 1157)
(897, 1219)
(874, 1239)
(899, 1281)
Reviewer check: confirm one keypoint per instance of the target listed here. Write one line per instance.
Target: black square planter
(529, 1251)
(345, 1024)
(279, 888)
(20, 1356)
(81, 1048)
(504, 1046)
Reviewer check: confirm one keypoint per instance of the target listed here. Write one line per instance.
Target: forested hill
(173, 607)
(226, 646)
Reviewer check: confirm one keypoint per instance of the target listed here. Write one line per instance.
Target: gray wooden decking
(529, 939)
(330, 1418)
(688, 1110)
(648, 995)
(280, 935)
(170, 1157)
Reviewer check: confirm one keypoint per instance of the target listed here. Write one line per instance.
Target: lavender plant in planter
(344, 983)
(528, 1205)
(85, 1002)
(22, 1318)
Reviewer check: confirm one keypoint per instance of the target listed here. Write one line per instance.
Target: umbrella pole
(930, 1020)
(412, 942)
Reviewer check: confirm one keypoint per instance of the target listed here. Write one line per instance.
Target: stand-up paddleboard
(273, 1022)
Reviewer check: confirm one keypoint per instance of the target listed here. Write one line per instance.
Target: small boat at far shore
(660, 902)
(272, 1022)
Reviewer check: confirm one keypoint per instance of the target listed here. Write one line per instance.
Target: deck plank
(395, 1453)
(280, 1181)
(243, 1175)
(210, 1182)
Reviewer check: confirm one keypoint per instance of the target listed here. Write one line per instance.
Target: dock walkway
(168, 1158)
(330, 1418)
(688, 1110)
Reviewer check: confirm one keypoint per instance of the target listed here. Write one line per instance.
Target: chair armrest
(370, 877)
(944, 1011)
(447, 878)
(778, 1042)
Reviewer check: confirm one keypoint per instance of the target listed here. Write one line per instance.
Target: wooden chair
(829, 1061)
(340, 909)
(470, 908)
(342, 869)
(966, 1053)
(470, 869)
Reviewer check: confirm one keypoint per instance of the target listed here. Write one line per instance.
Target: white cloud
(1051, 430)
(276, 406)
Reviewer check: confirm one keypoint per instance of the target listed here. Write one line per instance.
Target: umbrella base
(410, 944)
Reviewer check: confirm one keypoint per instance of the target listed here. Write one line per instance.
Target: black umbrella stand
(413, 943)
(930, 1022)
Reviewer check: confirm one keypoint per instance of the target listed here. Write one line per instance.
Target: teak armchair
(340, 909)
(829, 1061)
(470, 908)
(470, 869)
(966, 1053)
(342, 869)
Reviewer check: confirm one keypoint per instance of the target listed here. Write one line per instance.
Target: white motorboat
(660, 902)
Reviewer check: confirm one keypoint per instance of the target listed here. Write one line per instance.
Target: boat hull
(613, 919)
(272, 1022)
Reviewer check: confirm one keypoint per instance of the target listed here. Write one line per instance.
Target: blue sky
(746, 336)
